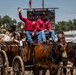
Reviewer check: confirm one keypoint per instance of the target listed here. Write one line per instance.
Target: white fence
(70, 36)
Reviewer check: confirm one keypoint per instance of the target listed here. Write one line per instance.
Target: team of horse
(71, 56)
(41, 55)
(63, 52)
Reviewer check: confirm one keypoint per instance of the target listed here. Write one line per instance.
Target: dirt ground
(47, 73)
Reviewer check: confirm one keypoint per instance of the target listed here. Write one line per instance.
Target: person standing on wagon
(30, 26)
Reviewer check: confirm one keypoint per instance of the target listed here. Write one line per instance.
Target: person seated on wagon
(12, 28)
(46, 27)
(19, 38)
(12, 31)
(30, 26)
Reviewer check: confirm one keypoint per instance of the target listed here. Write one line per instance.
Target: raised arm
(20, 15)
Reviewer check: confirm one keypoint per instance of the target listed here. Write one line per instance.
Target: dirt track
(47, 73)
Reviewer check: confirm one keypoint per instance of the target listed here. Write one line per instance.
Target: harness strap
(52, 55)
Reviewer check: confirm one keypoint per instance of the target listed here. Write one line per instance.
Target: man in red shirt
(30, 26)
(44, 24)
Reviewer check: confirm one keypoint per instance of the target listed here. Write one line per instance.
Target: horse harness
(45, 47)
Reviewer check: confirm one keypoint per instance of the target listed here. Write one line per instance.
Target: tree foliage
(66, 26)
(8, 21)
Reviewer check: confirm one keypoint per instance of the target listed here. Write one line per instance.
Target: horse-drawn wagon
(17, 60)
(9, 57)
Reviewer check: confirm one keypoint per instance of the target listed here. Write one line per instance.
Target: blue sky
(65, 12)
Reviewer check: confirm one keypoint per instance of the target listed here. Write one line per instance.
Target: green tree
(14, 21)
(65, 26)
(74, 24)
(0, 20)
(19, 25)
(7, 20)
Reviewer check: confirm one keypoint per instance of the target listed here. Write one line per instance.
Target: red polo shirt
(47, 25)
(41, 25)
(29, 25)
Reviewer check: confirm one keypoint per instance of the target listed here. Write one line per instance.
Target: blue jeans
(38, 33)
(51, 34)
(43, 36)
(29, 34)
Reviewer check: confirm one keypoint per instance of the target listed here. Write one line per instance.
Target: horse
(71, 56)
(42, 55)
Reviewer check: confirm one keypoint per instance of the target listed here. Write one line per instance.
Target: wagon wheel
(3, 62)
(23, 54)
(18, 66)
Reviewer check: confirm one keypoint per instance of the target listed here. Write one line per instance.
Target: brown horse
(71, 55)
(42, 55)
